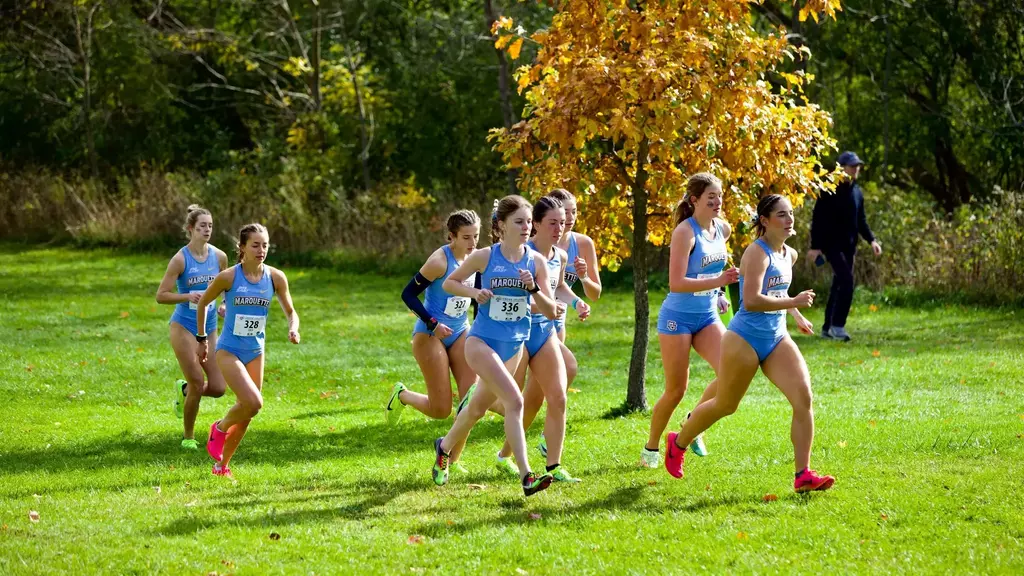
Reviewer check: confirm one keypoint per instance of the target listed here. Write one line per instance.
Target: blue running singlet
(541, 328)
(764, 330)
(506, 316)
(245, 321)
(706, 260)
(445, 308)
(195, 278)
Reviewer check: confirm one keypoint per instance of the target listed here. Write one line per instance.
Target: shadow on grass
(368, 497)
(518, 511)
(276, 445)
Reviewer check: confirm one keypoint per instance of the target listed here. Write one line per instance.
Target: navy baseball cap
(849, 159)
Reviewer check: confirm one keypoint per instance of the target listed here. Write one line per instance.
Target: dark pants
(840, 297)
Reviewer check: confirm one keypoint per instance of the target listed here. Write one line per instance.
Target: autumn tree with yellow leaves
(626, 98)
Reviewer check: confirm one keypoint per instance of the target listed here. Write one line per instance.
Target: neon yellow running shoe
(507, 467)
(393, 409)
(190, 444)
(465, 400)
(180, 389)
(562, 475)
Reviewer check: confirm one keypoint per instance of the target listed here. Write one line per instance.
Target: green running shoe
(543, 446)
(189, 444)
(440, 471)
(458, 468)
(180, 389)
(562, 475)
(507, 467)
(465, 400)
(394, 407)
(533, 483)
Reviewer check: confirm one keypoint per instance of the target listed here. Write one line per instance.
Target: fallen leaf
(873, 308)
(741, 536)
(871, 423)
(33, 516)
(652, 482)
(770, 498)
(312, 390)
(275, 536)
(228, 563)
(476, 486)
(416, 539)
(534, 516)
(125, 314)
(573, 390)
(331, 428)
(876, 353)
(884, 517)
(992, 365)
(450, 522)
(29, 367)
(83, 363)
(842, 443)
(3, 528)
(963, 381)
(707, 488)
(140, 349)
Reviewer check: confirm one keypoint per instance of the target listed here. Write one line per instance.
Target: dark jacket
(838, 218)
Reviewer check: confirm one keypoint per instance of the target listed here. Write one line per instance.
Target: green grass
(924, 437)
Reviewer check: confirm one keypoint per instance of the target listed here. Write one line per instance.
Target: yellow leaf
(514, 49)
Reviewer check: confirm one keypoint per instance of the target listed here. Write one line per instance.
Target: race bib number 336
(248, 325)
(509, 308)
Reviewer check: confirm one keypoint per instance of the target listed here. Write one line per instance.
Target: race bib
(249, 325)
(456, 307)
(509, 308)
(194, 306)
(706, 292)
(779, 294)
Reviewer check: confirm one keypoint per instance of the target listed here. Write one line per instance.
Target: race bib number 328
(509, 308)
(248, 325)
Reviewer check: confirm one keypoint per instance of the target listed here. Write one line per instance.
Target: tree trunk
(508, 116)
(317, 37)
(636, 393)
(85, 53)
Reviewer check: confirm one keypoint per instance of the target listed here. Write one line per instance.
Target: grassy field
(921, 419)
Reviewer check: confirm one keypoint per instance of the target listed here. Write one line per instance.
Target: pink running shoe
(809, 480)
(215, 443)
(674, 456)
(219, 470)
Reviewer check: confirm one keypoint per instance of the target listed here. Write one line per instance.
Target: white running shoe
(649, 458)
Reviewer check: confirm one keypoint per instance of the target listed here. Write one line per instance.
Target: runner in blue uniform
(439, 337)
(697, 273)
(510, 273)
(581, 258)
(188, 273)
(757, 336)
(249, 287)
(547, 357)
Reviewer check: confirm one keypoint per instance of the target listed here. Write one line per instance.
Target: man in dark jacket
(837, 221)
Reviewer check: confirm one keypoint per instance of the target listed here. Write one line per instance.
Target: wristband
(433, 324)
(200, 337)
(536, 289)
(574, 303)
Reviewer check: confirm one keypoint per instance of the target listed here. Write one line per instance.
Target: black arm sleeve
(477, 283)
(411, 297)
(862, 220)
